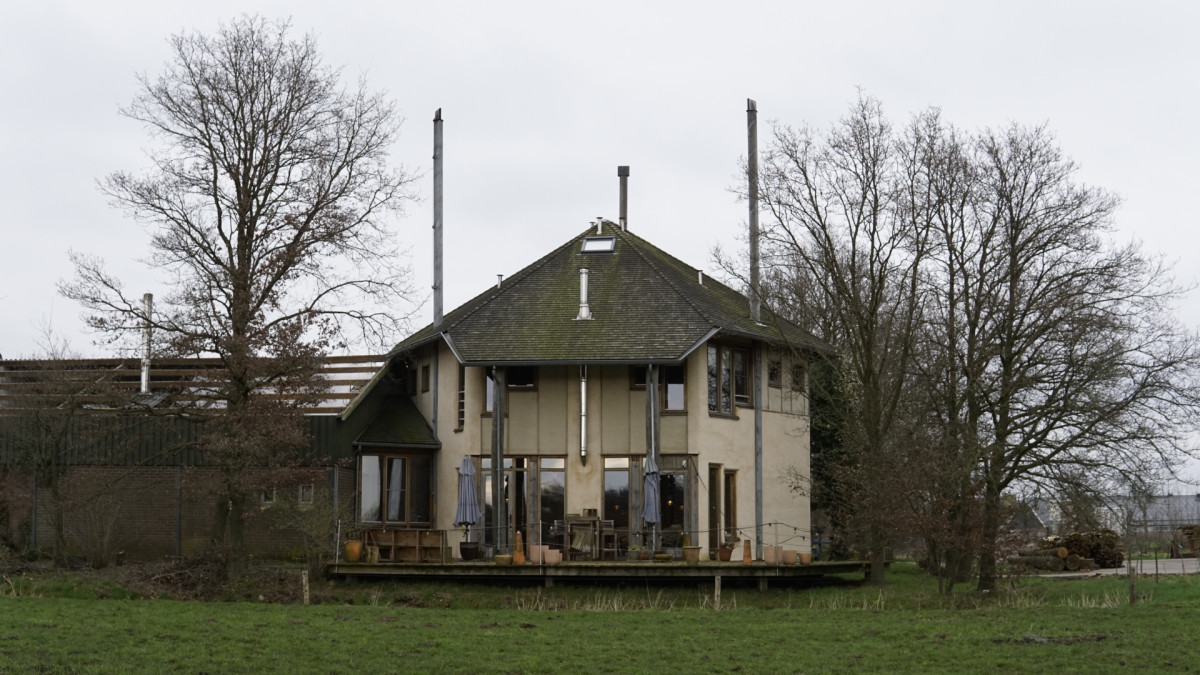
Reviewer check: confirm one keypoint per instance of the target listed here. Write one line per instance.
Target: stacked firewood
(1190, 535)
(1104, 546)
(1078, 551)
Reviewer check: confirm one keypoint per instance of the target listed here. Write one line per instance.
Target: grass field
(61, 624)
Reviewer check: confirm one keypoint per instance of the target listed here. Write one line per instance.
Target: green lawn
(1040, 626)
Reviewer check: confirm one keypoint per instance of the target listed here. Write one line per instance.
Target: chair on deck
(579, 542)
(606, 540)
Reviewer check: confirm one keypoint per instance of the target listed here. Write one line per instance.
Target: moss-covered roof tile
(647, 306)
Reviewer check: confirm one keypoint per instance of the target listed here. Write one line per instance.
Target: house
(558, 382)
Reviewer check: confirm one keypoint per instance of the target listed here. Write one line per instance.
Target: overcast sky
(542, 101)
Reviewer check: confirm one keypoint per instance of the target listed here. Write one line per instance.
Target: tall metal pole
(437, 259)
(752, 178)
(499, 508)
(652, 437)
(437, 218)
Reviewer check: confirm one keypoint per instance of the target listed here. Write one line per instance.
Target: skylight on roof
(599, 245)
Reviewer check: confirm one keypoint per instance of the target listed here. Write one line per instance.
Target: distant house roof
(101, 383)
(646, 307)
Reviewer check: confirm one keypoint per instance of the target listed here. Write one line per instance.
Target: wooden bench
(408, 546)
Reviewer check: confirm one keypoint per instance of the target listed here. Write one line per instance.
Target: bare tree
(834, 230)
(990, 333)
(269, 194)
(1059, 353)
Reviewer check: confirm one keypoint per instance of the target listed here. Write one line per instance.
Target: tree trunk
(991, 530)
(878, 556)
(220, 524)
(235, 564)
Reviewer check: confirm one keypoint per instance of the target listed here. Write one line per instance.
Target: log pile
(1077, 551)
(1104, 546)
(1190, 534)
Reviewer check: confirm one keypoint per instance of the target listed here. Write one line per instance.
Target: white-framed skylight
(598, 245)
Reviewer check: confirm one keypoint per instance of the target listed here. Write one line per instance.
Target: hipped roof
(646, 306)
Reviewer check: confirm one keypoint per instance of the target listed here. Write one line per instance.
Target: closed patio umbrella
(467, 513)
(650, 512)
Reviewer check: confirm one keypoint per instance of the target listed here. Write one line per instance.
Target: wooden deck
(602, 572)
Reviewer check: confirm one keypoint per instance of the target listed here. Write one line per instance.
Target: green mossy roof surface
(647, 306)
(398, 423)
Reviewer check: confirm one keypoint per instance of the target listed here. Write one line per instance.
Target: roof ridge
(483, 298)
(699, 311)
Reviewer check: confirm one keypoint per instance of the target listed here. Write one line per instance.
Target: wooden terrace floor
(601, 572)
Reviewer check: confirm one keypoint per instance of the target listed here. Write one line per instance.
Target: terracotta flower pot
(772, 554)
(806, 558)
(789, 556)
(725, 554)
(537, 554)
(353, 549)
(691, 555)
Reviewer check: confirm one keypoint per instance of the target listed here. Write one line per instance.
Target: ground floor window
(396, 490)
(533, 494)
(672, 496)
(618, 501)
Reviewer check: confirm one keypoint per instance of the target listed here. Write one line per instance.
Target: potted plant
(352, 549)
(634, 552)
(725, 550)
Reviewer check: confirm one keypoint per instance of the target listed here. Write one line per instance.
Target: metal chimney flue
(623, 175)
(147, 335)
(752, 189)
(585, 312)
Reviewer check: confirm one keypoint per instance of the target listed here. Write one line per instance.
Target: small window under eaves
(598, 245)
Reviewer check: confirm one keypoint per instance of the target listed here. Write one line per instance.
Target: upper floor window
(799, 381)
(671, 386)
(728, 378)
(775, 374)
(521, 377)
(516, 378)
(462, 396)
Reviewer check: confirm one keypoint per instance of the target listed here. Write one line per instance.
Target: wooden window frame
(462, 397)
(662, 386)
(408, 522)
(425, 378)
(799, 378)
(729, 495)
(775, 373)
(532, 385)
(725, 351)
